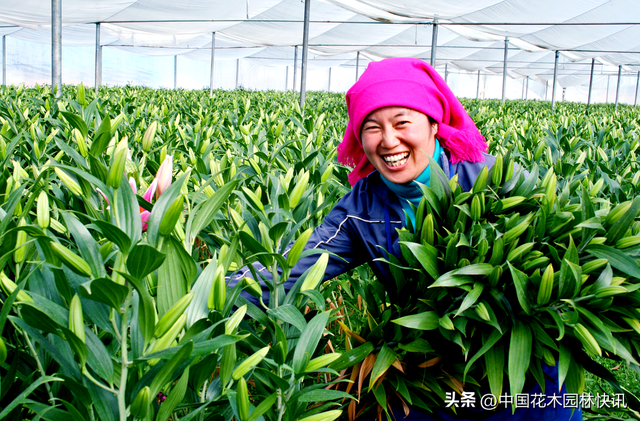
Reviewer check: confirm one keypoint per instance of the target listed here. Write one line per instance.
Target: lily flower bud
(82, 143)
(164, 175)
(114, 178)
(149, 136)
(168, 222)
(42, 210)
(69, 181)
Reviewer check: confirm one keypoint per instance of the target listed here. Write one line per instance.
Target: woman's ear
(434, 127)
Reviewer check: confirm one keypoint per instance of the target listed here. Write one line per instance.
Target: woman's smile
(397, 160)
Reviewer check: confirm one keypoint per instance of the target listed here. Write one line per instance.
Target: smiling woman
(398, 141)
(401, 113)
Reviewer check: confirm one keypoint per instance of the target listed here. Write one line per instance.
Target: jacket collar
(385, 194)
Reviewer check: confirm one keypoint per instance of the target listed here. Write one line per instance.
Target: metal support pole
(618, 86)
(635, 101)
(295, 67)
(555, 77)
(504, 69)
(175, 72)
(478, 90)
(446, 71)
(56, 47)
(286, 79)
(237, 71)
(484, 87)
(4, 60)
(606, 101)
(526, 91)
(434, 43)
(98, 70)
(523, 90)
(357, 65)
(329, 84)
(593, 64)
(305, 53)
(546, 88)
(213, 56)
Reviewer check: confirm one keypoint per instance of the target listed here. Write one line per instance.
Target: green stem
(280, 392)
(39, 364)
(274, 280)
(116, 330)
(114, 208)
(586, 297)
(293, 389)
(203, 398)
(204, 392)
(96, 382)
(122, 406)
(266, 307)
(280, 405)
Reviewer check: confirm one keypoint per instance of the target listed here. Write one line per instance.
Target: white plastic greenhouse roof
(470, 33)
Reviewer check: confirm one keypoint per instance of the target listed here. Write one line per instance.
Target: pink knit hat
(411, 83)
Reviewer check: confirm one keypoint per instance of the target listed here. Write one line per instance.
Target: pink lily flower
(104, 196)
(148, 195)
(144, 217)
(164, 175)
(132, 183)
(151, 191)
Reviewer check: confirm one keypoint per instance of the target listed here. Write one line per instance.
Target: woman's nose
(389, 139)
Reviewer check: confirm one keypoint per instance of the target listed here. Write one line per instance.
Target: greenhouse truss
(579, 44)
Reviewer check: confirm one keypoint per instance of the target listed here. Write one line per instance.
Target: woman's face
(397, 141)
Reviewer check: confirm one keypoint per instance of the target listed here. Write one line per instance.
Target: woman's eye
(402, 122)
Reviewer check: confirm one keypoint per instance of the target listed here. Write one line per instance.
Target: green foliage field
(114, 304)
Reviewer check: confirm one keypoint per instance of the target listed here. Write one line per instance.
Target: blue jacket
(359, 229)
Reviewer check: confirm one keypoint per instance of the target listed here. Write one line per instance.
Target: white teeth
(396, 160)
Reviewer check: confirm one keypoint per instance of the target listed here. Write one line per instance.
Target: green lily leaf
(428, 320)
(309, 339)
(617, 259)
(105, 291)
(519, 356)
(143, 260)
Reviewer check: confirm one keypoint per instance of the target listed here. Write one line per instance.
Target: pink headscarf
(411, 83)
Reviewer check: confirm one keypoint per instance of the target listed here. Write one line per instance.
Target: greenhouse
(585, 50)
(329, 210)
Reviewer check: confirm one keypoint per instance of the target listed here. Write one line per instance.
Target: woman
(389, 131)
(400, 112)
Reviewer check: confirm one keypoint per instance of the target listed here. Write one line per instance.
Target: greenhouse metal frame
(502, 37)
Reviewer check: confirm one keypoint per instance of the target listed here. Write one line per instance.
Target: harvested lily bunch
(495, 285)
